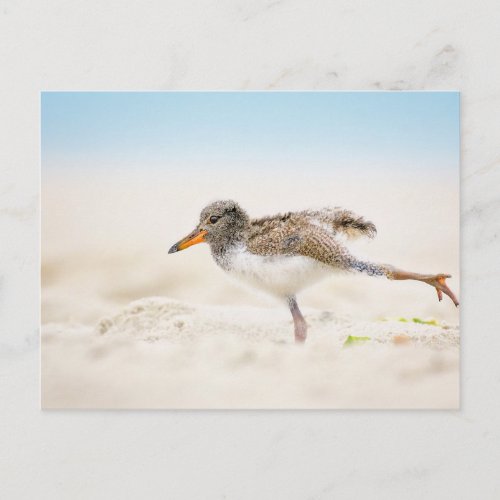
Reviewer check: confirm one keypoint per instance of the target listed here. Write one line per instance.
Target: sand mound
(160, 353)
(157, 318)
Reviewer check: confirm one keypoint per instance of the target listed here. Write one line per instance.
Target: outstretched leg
(300, 325)
(438, 281)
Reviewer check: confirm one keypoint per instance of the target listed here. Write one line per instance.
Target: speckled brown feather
(309, 233)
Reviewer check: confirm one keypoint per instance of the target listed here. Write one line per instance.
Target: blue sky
(193, 130)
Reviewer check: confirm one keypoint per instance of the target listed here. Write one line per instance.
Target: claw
(439, 283)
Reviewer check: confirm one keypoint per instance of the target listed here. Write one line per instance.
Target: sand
(125, 325)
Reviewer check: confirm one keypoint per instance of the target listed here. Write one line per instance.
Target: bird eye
(214, 219)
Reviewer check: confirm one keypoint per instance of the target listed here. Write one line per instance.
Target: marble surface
(259, 44)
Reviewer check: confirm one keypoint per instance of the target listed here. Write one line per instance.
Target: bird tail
(353, 225)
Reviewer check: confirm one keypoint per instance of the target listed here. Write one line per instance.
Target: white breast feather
(279, 275)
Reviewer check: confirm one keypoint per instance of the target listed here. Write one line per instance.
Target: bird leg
(300, 325)
(438, 281)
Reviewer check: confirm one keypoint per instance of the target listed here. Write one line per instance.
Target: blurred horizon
(190, 131)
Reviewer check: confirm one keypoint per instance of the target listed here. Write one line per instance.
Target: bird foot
(438, 281)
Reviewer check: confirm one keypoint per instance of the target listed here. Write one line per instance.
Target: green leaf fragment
(352, 340)
(423, 322)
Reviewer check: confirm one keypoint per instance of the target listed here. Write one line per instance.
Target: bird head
(222, 223)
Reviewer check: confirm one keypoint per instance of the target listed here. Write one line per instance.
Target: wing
(310, 234)
(319, 244)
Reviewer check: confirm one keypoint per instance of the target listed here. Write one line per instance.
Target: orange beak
(197, 236)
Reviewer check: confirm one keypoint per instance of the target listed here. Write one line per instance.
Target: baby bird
(285, 253)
